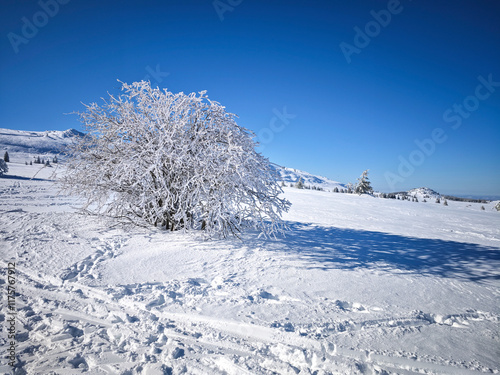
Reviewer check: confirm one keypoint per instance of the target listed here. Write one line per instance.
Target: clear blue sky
(353, 102)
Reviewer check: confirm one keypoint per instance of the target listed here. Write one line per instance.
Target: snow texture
(359, 285)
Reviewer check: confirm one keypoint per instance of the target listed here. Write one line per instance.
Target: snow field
(359, 286)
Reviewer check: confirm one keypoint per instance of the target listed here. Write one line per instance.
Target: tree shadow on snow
(337, 248)
(22, 178)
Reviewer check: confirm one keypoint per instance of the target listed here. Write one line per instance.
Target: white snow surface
(360, 285)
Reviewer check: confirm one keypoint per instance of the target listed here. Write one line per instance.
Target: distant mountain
(291, 176)
(52, 141)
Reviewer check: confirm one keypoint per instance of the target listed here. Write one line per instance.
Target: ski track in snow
(95, 299)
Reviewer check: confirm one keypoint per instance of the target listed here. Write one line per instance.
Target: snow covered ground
(360, 285)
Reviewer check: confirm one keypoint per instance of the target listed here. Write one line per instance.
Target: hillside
(291, 176)
(359, 285)
(31, 142)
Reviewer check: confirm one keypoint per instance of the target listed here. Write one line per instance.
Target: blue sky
(330, 87)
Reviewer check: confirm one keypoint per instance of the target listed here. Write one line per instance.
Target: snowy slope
(291, 176)
(360, 285)
(36, 142)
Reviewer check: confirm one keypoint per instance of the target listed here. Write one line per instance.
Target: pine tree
(363, 186)
(3, 167)
(445, 203)
(54, 160)
(350, 188)
(482, 208)
(336, 190)
(300, 183)
(438, 200)
(6, 157)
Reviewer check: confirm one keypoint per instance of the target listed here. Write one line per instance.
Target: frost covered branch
(176, 161)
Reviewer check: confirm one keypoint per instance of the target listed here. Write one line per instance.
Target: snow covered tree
(445, 203)
(497, 206)
(3, 167)
(350, 188)
(300, 183)
(363, 186)
(6, 157)
(336, 190)
(173, 160)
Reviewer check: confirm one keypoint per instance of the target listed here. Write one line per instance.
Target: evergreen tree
(300, 183)
(445, 203)
(336, 190)
(482, 208)
(31, 162)
(3, 167)
(6, 157)
(55, 160)
(363, 186)
(438, 200)
(350, 188)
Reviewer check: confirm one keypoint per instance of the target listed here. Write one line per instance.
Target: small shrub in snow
(6, 157)
(176, 161)
(3, 167)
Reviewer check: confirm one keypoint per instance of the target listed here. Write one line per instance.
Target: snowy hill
(291, 176)
(53, 141)
(423, 192)
(358, 286)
